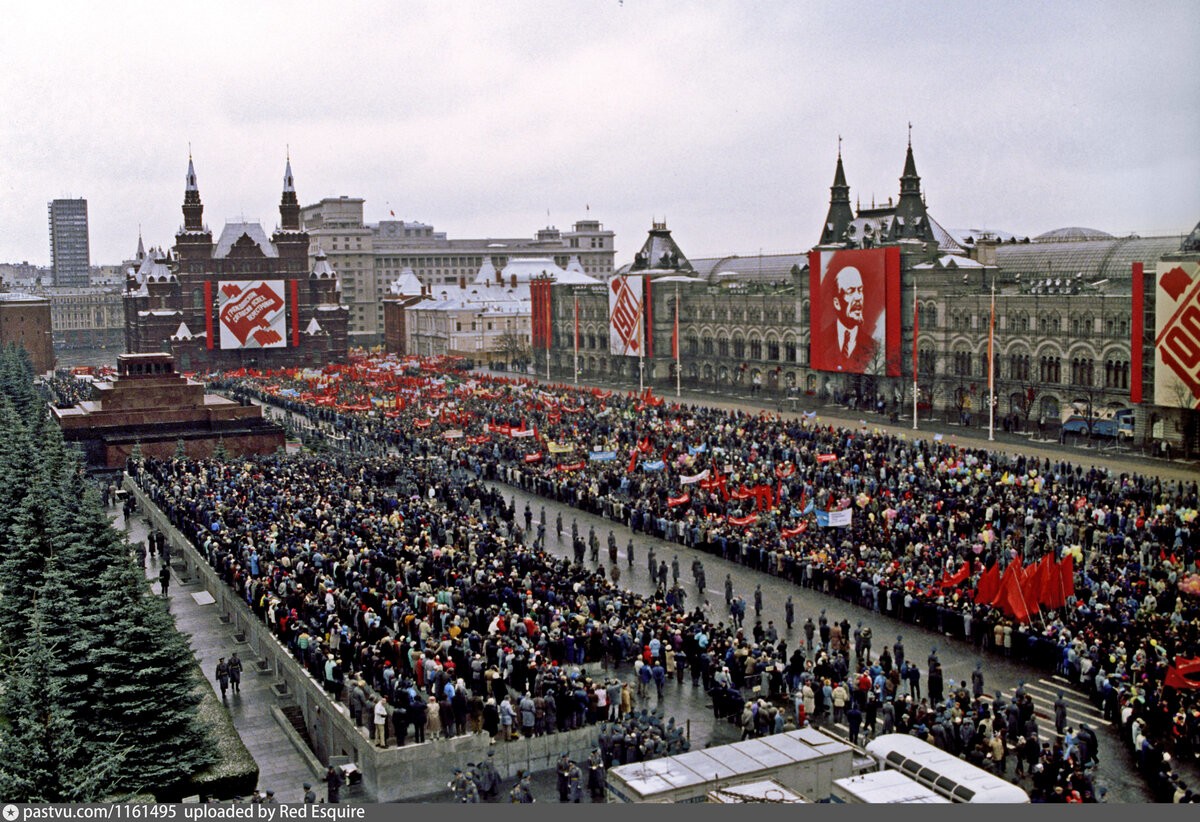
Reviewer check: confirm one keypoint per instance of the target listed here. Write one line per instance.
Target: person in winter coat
(223, 675)
(491, 718)
(528, 714)
(506, 720)
(418, 715)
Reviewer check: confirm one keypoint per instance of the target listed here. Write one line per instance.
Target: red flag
(1066, 574)
(675, 335)
(1011, 600)
(633, 461)
(1184, 674)
(957, 578)
(989, 584)
(1137, 341)
(1050, 590)
(916, 314)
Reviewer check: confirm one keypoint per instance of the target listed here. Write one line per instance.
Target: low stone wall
(388, 774)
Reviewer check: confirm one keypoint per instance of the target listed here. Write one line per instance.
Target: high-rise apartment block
(69, 256)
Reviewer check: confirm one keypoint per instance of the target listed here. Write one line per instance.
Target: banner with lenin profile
(854, 298)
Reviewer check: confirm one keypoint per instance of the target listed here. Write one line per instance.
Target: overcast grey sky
(480, 118)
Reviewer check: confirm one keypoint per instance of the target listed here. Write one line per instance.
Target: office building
(69, 257)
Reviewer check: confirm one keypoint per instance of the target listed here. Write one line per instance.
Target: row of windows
(1080, 326)
(1020, 368)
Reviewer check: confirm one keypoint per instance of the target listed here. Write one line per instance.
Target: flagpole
(916, 390)
(675, 340)
(577, 339)
(992, 366)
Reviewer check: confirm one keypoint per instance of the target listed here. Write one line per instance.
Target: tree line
(99, 690)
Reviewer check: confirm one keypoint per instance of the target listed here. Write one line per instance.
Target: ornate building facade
(245, 300)
(1061, 341)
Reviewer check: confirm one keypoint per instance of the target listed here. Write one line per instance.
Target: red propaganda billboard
(855, 311)
(1177, 335)
(626, 326)
(252, 314)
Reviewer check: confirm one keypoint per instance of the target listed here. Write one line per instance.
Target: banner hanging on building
(855, 311)
(625, 317)
(1177, 335)
(252, 314)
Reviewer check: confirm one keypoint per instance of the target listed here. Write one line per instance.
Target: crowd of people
(742, 486)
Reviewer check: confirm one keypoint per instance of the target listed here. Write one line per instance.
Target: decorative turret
(840, 213)
(659, 252)
(323, 280)
(193, 209)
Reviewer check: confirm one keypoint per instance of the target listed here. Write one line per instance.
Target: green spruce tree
(43, 754)
(146, 686)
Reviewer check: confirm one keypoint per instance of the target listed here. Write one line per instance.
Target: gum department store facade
(1062, 333)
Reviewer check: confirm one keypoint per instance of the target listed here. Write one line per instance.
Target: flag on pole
(916, 316)
(675, 335)
(576, 326)
(991, 356)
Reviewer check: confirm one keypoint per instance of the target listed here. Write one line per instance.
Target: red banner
(534, 457)
(1138, 328)
(672, 502)
(855, 311)
(295, 313)
(208, 314)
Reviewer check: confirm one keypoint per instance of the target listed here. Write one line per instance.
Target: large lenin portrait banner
(854, 298)
(252, 314)
(1177, 335)
(626, 316)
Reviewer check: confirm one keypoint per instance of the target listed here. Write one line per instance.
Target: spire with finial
(193, 209)
(141, 249)
(289, 206)
(840, 216)
(288, 183)
(911, 207)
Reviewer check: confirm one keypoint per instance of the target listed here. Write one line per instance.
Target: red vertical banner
(675, 334)
(649, 316)
(916, 332)
(549, 314)
(892, 355)
(535, 305)
(208, 318)
(1135, 342)
(295, 314)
